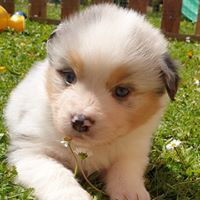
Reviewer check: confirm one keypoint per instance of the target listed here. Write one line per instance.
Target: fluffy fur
(106, 46)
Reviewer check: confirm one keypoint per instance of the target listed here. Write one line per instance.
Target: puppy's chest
(90, 160)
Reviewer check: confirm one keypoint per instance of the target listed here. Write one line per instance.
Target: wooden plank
(182, 37)
(9, 5)
(139, 5)
(68, 7)
(102, 1)
(38, 8)
(171, 16)
(197, 31)
(45, 20)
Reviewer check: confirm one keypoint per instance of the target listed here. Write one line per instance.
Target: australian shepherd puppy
(104, 84)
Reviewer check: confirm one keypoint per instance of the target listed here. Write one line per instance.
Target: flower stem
(180, 157)
(78, 165)
(76, 161)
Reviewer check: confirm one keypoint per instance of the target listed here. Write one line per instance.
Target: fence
(170, 22)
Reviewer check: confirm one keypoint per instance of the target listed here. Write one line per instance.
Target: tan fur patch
(52, 78)
(54, 82)
(117, 76)
(76, 63)
(144, 110)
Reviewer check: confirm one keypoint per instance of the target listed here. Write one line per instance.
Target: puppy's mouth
(91, 139)
(82, 139)
(82, 133)
(81, 129)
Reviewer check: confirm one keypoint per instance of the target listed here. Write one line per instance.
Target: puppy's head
(109, 74)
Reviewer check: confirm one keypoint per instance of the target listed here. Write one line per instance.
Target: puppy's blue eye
(69, 76)
(121, 92)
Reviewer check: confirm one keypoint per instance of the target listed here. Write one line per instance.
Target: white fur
(45, 164)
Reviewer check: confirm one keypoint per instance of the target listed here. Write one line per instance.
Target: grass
(172, 174)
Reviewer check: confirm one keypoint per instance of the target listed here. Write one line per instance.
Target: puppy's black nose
(81, 123)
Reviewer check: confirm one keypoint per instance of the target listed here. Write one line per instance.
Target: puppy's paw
(122, 192)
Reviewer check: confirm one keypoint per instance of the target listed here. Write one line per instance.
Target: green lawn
(172, 174)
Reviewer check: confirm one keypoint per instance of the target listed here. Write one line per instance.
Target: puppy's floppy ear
(51, 37)
(170, 75)
(50, 44)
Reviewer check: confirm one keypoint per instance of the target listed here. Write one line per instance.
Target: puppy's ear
(170, 76)
(53, 34)
(50, 44)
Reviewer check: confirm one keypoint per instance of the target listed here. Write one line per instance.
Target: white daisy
(173, 144)
(197, 82)
(187, 39)
(65, 143)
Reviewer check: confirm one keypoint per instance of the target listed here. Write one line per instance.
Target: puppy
(105, 84)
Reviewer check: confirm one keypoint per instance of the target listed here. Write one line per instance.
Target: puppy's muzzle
(81, 123)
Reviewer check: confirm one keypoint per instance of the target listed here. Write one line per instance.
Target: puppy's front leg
(50, 179)
(125, 181)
